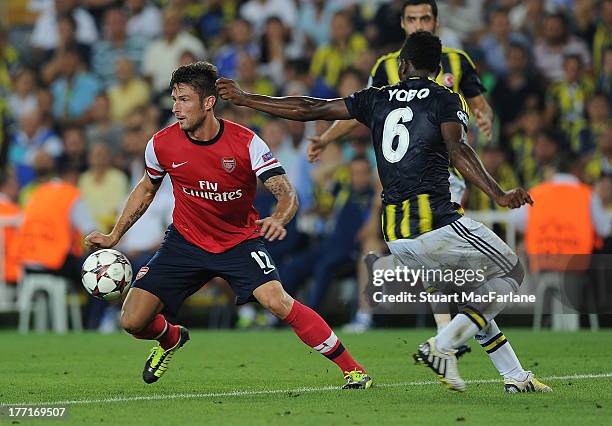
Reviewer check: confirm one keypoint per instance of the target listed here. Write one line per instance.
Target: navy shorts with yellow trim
(180, 268)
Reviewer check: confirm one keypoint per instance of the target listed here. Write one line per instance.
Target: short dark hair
(422, 50)
(432, 3)
(199, 75)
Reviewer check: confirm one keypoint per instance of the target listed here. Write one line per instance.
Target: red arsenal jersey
(214, 182)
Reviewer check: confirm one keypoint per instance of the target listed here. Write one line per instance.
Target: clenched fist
(514, 198)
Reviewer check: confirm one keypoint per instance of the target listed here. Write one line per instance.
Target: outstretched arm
(273, 227)
(299, 108)
(139, 201)
(463, 157)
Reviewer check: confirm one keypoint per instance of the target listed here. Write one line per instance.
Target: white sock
(501, 353)
(363, 317)
(456, 333)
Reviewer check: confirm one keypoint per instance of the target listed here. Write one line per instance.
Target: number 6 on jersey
(394, 126)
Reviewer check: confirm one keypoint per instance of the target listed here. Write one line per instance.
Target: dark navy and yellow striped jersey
(457, 72)
(405, 120)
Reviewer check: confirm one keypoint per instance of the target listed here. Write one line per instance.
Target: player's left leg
(312, 330)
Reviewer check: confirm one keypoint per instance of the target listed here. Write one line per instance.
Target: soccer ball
(106, 274)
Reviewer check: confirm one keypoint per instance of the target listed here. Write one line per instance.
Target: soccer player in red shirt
(216, 232)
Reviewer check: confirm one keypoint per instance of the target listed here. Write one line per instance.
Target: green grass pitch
(247, 378)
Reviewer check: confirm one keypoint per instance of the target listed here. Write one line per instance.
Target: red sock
(314, 331)
(170, 337)
(154, 330)
(161, 330)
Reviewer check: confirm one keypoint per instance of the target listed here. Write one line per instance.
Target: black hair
(422, 50)
(432, 3)
(199, 75)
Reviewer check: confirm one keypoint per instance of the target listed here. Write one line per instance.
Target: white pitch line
(279, 391)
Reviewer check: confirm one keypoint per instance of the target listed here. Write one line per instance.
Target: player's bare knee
(130, 323)
(277, 301)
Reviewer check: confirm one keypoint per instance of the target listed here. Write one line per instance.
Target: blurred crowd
(84, 86)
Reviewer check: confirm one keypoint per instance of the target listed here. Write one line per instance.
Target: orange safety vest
(560, 235)
(12, 268)
(46, 235)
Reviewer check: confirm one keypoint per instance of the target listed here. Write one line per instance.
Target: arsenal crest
(142, 272)
(228, 163)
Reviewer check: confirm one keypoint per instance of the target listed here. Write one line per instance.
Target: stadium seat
(563, 318)
(31, 299)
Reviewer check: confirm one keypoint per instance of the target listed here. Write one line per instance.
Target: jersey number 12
(394, 126)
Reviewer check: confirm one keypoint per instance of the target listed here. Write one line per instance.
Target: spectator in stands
(348, 213)
(604, 80)
(46, 33)
(329, 60)
(117, 43)
(162, 56)
(557, 42)
(277, 45)
(8, 61)
(144, 19)
(23, 99)
(600, 161)
(44, 170)
(498, 40)
(527, 16)
(75, 149)
(315, 20)
(103, 128)
(518, 90)
(240, 37)
(546, 149)
(560, 230)
(67, 28)
(597, 121)
(32, 137)
(103, 187)
(599, 33)
(249, 78)
(257, 13)
(130, 91)
(522, 141)
(9, 188)
(566, 99)
(464, 18)
(74, 91)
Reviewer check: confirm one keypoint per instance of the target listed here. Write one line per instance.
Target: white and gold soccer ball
(106, 274)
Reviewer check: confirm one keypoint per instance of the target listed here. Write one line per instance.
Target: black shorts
(180, 268)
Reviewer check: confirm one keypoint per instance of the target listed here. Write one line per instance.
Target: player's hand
(271, 229)
(514, 198)
(484, 123)
(314, 149)
(230, 91)
(98, 240)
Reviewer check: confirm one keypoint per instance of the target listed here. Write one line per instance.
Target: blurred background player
(212, 164)
(421, 225)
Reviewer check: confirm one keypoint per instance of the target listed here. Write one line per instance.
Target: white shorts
(459, 246)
